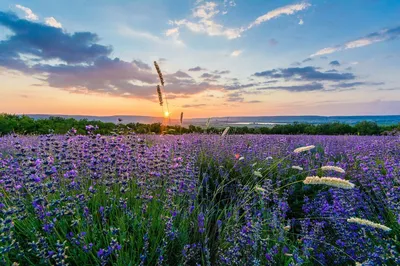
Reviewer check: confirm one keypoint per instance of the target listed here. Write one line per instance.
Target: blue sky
(219, 57)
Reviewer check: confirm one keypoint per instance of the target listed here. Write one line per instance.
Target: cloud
(172, 31)
(197, 69)
(239, 86)
(272, 42)
(193, 105)
(235, 97)
(304, 73)
(375, 37)
(129, 32)
(180, 75)
(307, 60)
(334, 63)
(28, 13)
(80, 65)
(46, 43)
(358, 83)
(204, 13)
(174, 34)
(389, 89)
(53, 22)
(286, 10)
(222, 72)
(210, 76)
(297, 88)
(301, 22)
(236, 53)
(203, 22)
(140, 64)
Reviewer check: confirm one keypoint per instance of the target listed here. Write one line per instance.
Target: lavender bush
(199, 200)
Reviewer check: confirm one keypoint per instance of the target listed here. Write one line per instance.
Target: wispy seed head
(305, 148)
(329, 181)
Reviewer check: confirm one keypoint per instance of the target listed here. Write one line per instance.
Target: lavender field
(199, 200)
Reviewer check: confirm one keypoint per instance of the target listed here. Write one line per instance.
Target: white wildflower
(287, 228)
(306, 148)
(329, 181)
(333, 168)
(368, 223)
(268, 158)
(257, 173)
(297, 167)
(241, 158)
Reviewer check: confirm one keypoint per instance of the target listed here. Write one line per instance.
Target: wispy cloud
(198, 68)
(129, 32)
(193, 105)
(334, 63)
(285, 10)
(28, 12)
(308, 73)
(375, 37)
(236, 53)
(297, 88)
(204, 13)
(174, 34)
(203, 22)
(51, 21)
(301, 22)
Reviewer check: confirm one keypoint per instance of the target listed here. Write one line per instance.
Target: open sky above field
(219, 58)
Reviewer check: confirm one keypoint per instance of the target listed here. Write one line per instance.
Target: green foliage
(22, 124)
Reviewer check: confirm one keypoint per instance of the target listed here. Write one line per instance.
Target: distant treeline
(22, 124)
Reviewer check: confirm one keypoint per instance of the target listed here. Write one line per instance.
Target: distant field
(205, 199)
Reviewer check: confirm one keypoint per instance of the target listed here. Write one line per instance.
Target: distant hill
(126, 119)
(239, 120)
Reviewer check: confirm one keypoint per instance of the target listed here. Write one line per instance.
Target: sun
(166, 114)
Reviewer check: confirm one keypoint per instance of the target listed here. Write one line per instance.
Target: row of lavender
(199, 199)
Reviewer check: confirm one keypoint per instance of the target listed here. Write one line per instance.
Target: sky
(218, 58)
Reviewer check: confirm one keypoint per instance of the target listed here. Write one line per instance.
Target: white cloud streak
(375, 37)
(285, 10)
(28, 13)
(204, 13)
